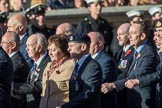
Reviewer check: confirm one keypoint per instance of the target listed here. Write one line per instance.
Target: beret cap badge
(158, 24)
(71, 38)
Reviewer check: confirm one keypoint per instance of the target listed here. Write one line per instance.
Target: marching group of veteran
(75, 67)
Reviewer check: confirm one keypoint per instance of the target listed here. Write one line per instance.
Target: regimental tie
(135, 54)
(75, 77)
(33, 69)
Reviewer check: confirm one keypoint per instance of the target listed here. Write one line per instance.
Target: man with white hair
(37, 51)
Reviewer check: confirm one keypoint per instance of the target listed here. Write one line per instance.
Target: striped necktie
(33, 69)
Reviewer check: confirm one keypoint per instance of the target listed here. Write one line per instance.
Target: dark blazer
(153, 78)
(6, 71)
(20, 69)
(99, 25)
(87, 93)
(144, 64)
(33, 87)
(109, 73)
(24, 52)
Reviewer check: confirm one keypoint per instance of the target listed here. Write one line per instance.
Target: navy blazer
(24, 52)
(144, 63)
(109, 73)
(33, 87)
(153, 78)
(6, 71)
(89, 81)
(107, 65)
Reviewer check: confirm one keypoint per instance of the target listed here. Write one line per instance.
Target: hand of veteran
(107, 87)
(131, 83)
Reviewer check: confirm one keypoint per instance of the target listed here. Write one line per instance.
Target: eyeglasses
(3, 42)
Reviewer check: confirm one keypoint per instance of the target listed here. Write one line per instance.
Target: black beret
(3, 16)
(79, 38)
(36, 9)
(158, 23)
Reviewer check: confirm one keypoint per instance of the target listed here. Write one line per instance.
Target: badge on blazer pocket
(63, 86)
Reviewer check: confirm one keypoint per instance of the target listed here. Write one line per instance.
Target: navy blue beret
(79, 37)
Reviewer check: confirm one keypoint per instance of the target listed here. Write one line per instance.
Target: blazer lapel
(84, 64)
(132, 65)
(136, 59)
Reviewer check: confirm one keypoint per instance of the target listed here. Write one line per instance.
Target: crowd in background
(19, 5)
(74, 66)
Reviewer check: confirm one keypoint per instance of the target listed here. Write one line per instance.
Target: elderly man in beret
(86, 79)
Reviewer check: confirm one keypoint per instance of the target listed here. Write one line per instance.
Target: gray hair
(14, 38)
(41, 40)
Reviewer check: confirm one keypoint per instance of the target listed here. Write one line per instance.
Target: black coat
(20, 69)
(6, 71)
(99, 25)
(45, 30)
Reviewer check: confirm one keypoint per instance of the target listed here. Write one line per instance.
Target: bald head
(65, 29)
(96, 36)
(124, 27)
(18, 21)
(36, 46)
(10, 42)
(97, 42)
(122, 34)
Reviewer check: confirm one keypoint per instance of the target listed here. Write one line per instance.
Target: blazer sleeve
(149, 79)
(27, 88)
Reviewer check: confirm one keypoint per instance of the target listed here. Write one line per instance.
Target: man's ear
(39, 48)
(21, 27)
(13, 45)
(83, 47)
(143, 36)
